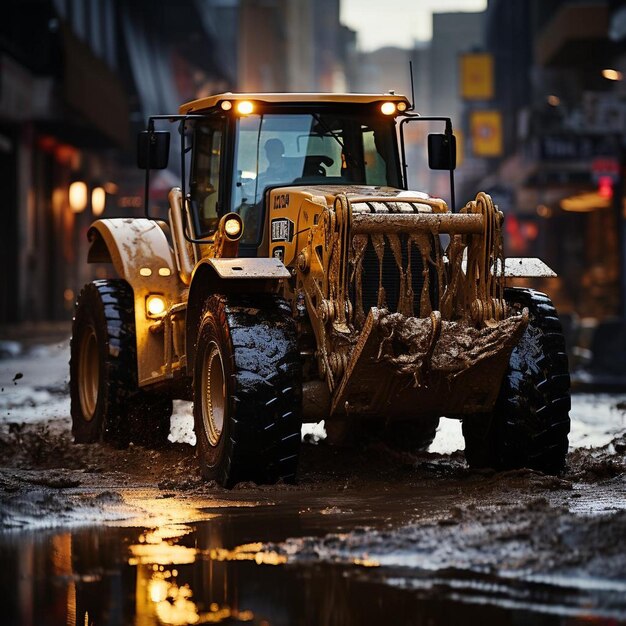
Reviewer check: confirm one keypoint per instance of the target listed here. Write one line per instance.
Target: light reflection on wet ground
(220, 571)
(180, 563)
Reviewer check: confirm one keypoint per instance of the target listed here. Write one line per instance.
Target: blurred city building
(454, 34)
(293, 45)
(534, 87)
(383, 70)
(63, 111)
(559, 176)
(78, 78)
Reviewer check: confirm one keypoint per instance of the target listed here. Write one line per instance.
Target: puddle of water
(215, 571)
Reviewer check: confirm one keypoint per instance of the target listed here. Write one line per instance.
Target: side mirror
(441, 152)
(153, 149)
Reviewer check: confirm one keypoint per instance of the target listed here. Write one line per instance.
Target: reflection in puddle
(159, 594)
(221, 571)
(248, 552)
(156, 548)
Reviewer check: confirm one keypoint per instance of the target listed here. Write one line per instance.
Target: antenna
(412, 107)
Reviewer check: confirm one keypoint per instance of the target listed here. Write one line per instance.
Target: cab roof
(274, 98)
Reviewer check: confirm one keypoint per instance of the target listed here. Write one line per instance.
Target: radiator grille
(391, 277)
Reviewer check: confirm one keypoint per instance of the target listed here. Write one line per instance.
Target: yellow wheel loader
(298, 279)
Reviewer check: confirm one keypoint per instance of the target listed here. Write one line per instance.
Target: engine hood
(330, 192)
(293, 211)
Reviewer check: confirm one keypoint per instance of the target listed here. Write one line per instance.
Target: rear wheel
(530, 421)
(106, 404)
(247, 390)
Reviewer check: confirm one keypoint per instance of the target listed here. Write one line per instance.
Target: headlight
(232, 226)
(155, 306)
(388, 108)
(245, 107)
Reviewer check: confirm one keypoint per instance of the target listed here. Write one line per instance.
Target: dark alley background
(535, 89)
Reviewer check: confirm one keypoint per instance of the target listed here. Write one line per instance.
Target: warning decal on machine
(282, 229)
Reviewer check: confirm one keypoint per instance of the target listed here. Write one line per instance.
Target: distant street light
(611, 74)
(98, 201)
(78, 196)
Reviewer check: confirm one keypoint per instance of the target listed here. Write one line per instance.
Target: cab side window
(205, 175)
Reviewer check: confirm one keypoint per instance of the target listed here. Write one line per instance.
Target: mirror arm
(170, 118)
(146, 194)
(405, 167)
(408, 117)
(448, 132)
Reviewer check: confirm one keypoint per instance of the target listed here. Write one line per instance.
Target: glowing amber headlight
(155, 306)
(388, 108)
(245, 107)
(401, 106)
(232, 226)
(227, 105)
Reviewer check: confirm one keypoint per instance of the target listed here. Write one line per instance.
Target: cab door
(206, 188)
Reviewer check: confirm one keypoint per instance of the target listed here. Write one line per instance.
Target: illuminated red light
(47, 143)
(605, 187)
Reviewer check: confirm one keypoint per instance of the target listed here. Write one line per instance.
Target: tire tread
(530, 423)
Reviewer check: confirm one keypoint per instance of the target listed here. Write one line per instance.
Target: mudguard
(256, 268)
(527, 267)
(141, 255)
(521, 267)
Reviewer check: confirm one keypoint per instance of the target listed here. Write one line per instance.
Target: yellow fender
(141, 255)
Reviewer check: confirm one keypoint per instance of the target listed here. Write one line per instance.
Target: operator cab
(238, 146)
(237, 156)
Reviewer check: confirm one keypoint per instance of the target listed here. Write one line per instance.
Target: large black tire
(247, 390)
(530, 421)
(106, 404)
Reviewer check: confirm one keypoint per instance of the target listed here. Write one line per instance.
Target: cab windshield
(308, 148)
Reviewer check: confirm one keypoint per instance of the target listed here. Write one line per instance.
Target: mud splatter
(406, 342)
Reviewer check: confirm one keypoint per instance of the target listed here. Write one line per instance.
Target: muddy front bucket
(407, 367)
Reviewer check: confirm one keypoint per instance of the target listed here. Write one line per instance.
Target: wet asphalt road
(113, 538)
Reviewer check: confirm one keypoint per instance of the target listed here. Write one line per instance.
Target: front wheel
(102, 362)
(106, 403)
(530, 422)
(247, 390)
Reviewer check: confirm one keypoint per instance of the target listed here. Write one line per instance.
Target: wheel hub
(88, 374)
(214, 394)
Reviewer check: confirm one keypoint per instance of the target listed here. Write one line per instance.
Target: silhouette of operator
(276, 171)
